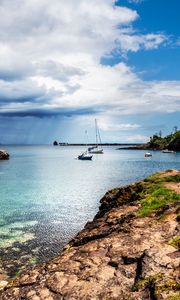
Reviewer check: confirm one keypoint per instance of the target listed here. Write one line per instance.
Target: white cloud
(137, 139)
(58, 71)
(50, 59)
(117, 127)
(135, 42)
(107, 123)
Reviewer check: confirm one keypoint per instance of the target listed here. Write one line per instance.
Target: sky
(64, 63)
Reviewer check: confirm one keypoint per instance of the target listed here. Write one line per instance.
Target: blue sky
(157, 16)
(65, 63)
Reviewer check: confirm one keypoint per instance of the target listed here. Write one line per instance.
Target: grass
(175, 297)
(175, 242)
(160, 285)
(145, 282)
(178, 214)
(169, 285)
(155, 196)
(158, 179)
(154, 179)
(175, 178)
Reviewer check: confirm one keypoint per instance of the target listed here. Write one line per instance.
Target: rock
(116, 256)
(4, 155)
(3, 283)
(55, 143)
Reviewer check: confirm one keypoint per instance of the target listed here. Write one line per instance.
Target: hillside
(170, 142)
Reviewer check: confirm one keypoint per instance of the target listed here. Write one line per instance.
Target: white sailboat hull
(97, 151)
(85, 157)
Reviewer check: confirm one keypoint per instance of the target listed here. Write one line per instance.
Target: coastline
(170, 142)
(124, 253)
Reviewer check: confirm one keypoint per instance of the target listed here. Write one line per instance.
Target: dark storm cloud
(23, 91)
(13, 71)
(32, 97)
(10, 75)
(44, 113)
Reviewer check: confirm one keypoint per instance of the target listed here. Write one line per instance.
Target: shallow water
(47, 195)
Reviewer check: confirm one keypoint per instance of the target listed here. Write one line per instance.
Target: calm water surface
(47, 195)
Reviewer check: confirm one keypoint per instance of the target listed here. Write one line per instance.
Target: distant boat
(91, 148)
(97, 149)
(85, 155)
(55, 143)
(168, 151)
(147, 154)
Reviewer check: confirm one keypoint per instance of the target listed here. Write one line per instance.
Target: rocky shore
(129, 251)
(4, 155)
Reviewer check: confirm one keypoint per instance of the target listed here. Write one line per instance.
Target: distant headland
(56, 143)
(157, 142)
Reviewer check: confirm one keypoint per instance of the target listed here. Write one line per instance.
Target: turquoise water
(47, 195)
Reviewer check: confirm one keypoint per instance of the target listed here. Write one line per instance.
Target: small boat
(96, 151)
(91, 148)
(168, 151)
(85, 156)
(98, 148)
(147, 154)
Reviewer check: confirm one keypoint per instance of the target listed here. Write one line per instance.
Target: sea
(47, 195)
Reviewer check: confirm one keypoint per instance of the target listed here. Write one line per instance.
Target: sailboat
(97, 149)
(85, 155)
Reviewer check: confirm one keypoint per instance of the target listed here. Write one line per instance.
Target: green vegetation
(178, 214)
(175, 178)
(33, 261)
(175, 242)
(175, 297)
(145, 282)
(159, 198)
(155, 195)
(160, 285)
(171, 141)
(158, 179)
(169, 285)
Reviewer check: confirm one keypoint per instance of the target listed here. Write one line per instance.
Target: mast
(96, 149)
(96, 132)
(99, 137)
(86, 134)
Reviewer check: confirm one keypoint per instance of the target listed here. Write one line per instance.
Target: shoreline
(73, 144)
(143, 148)
(126, 252)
